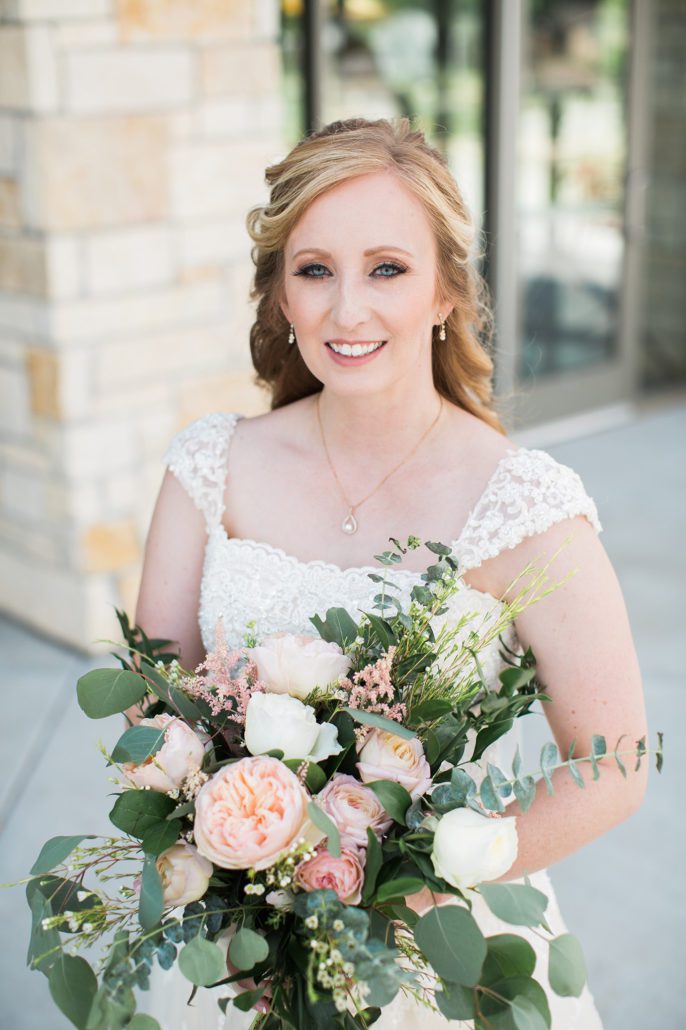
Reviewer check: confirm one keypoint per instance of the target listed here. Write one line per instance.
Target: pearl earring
(441, 330)
(291, 335)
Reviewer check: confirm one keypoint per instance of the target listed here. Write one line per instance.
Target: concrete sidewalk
(624, 895)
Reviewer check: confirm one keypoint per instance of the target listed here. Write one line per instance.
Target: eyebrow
(367, 253)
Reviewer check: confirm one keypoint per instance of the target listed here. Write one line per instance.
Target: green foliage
(550, 757)
(73, 987)
(394, 798)
(456, 1001)
(566, 968)
(44, 943)
(137, 744)
(327, 826)
(247, 948)
(150, 901)
(508, 955)
(142, 1022)
(104, 692)
(137, 812)
(515, 903)
(372, 866)
(380, 722)
(161, 836)
(337, 628)
(401, 887)
(453, 944)
(202, 962)
(54, 852)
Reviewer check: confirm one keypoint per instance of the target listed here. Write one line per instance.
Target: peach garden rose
(385, 756)
(249, 814)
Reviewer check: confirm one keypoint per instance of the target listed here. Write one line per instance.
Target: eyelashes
(316, 270)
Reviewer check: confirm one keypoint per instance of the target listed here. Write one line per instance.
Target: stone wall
(133, 139)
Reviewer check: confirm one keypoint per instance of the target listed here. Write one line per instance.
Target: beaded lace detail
(247, 580)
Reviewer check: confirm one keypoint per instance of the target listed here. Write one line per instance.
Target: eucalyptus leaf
(202, 962)
(380, 722)
(550, 756)
(44, 944)
(489, 797)
(150, 901)
(451, 940)
(576, 775)
(372, 866)
(525, 792)
(456, 1001)
(327, 826)
(525, 1015)
(245, 1001)
(337, 628)
(515, 903)
(54, 852)
(393, 796)
(566, 968)
(137, 744)
(247, 948)
(161, 836)
(401, 887)
(142, 1022)
(511, 955)
(463, 785)
(136, 812)
(104, 692)
(73, 987)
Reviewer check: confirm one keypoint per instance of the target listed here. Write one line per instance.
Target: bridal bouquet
(291, 811)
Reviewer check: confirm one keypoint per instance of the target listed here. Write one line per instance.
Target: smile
(355, 350)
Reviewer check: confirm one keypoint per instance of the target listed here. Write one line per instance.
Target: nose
(350, 306)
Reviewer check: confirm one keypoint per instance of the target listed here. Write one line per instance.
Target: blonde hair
(462, 366)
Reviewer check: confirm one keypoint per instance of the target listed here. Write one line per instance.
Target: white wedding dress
(245, 580)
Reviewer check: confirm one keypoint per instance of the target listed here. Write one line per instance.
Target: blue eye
(388, 270)
(313, 271)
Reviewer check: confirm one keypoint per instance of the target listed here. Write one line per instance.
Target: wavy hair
(462, 366)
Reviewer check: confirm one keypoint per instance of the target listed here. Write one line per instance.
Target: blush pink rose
(181, 754)
(353, 807)
(344, 875)
(184, 874)
(288, 663)
(250, 812)
(385, 756)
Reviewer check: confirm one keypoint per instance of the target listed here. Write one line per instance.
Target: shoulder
(207, 432)
(527, 493)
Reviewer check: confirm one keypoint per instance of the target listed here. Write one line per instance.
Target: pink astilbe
(371, 689)
(223, 686)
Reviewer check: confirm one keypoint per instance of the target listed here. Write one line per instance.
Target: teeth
(355, 350)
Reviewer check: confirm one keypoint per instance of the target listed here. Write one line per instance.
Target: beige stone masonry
(133, 140)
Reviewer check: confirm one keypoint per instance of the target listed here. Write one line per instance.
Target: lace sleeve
(197, 456)
(528, 492)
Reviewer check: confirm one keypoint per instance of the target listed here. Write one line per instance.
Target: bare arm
(587, 662)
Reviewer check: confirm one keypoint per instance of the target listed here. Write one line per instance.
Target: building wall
(133, 139)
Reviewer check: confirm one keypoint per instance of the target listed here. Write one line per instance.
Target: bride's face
(360, 272)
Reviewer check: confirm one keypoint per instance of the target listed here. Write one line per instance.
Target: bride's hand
(248, 984)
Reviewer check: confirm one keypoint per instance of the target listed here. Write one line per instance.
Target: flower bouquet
(292, 812)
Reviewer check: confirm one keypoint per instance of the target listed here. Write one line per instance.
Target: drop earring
(291, 335)
(441, 329)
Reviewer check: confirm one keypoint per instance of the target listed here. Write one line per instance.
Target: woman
(369, 333)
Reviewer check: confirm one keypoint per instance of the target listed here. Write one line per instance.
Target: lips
(354, 350)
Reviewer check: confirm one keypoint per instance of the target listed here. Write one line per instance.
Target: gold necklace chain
(349, 524)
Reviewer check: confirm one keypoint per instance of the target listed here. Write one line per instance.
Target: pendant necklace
(349, 524)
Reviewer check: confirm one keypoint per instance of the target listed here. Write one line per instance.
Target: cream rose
(385, 756)
(279, 721)
(184, 873)
(470, 848)
(344, 875)
(353, 807)
(181, 753)
(250, 812)
(290, 664)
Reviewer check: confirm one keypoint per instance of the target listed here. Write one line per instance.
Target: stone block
(64, 271)
(128, 586)
(36, 544)
(42, 373)
(127, 80)
(85, 34)
(8, 144)
(120, 497)
(74, 322)
(85, 503)
(22, 266)
(127, 398)
(24, 316)
(128, 259)
(213, 242)
(253, 69)
(217, 178)
(23, 495)
(15, 412)
(10, 214)
(90, 448)
(90, 172)
(222, 393)
(179, 19)
(107, 546)
(53, 10)
(12, 351)
(242, 116)
(266, 18)
(129, 361)
(28, 69)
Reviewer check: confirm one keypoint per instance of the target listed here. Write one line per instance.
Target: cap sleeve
(197, 455)
(528, 493)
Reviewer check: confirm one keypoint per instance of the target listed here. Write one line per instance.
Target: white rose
(470, 848)
(184, 873)
(279, 721)
(385, 756)
(290, 664)
(181, 754)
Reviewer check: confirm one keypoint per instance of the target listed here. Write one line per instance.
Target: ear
(285, 309)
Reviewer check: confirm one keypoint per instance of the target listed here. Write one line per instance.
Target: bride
(369, 333)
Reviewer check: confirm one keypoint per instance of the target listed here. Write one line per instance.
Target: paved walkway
(624, 895)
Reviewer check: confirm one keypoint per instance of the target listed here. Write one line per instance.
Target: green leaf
(576, 775)
(463, 785)
(394, 798)
(62, 895)
(327, 826)
(516, 763)
(150, 901)
(431, 709)
(456, 1001)
(550, 757)
(202, 962)
(337, 628)
(489, 797)
(247, 999)
(371, 866)
(136, 812)
(315, 777)
(566, 968)
(499, 780)
(498, 1012)
(247, 948)
(452, 942)
(54, 852)
(525, 792)
(515, 903)
(142, 1022)
(104, 692)
(512, 955)
(161, 836)
(138, 743)
(73, 986)
(44, 945)
(402, 887)
(659, 760)
(381, 723)
(525, 1015)
(383, 630)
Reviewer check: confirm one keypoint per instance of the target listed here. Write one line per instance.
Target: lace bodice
(244, 580)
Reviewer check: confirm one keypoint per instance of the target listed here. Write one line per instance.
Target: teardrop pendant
(349, 524)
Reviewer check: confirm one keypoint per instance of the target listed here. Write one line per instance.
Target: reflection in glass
(572, 152)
